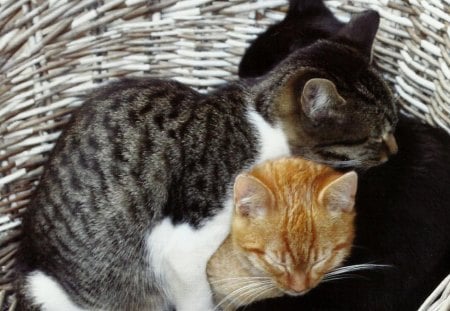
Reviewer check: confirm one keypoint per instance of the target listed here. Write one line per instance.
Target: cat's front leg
(187, 281)
(196, 297)
(187, 284)
(179, 255)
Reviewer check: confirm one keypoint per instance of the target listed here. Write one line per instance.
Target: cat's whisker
(237, 285)
(227, 301)
(261, 292)
(234, 295)
(253, 294)
(249, 292)
(243, 295)
(342, 277)
(358, 267)
(345, 271)
(231, 295)
(238, 282)
(250, 278)
(338, 276)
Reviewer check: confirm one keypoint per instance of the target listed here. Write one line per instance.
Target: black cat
(403, 211)
(305, 22)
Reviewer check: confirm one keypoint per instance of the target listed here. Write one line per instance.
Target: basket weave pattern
(52, 52)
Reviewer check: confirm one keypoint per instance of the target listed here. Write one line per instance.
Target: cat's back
(109, 143)
(130, 102)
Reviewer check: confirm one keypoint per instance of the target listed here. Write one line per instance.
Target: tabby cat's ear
(339, 195)
(320, 98)
(361, 31)
(251, 197)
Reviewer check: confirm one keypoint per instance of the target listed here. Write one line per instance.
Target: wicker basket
(52, 52)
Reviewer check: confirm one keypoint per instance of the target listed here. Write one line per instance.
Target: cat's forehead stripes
(299, 233)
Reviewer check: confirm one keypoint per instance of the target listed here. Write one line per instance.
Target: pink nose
(297, 281)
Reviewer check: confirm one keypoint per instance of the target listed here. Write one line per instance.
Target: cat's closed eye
(352, 142)
(275, 261)
(319, 262)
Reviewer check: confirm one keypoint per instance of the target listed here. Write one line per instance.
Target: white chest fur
(178, 257)
(273, 141)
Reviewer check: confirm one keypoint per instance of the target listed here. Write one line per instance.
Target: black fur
(305, 22)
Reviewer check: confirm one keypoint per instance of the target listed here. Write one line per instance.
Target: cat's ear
(302, 6)
(339, 195)
(252, 198)
(360, 31)
(319, 98)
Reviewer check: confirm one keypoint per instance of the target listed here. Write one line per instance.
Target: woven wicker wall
(52, 52)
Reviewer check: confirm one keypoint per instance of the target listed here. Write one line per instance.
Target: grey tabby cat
(136, 195)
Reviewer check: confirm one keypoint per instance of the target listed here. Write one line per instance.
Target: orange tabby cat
(292, 223)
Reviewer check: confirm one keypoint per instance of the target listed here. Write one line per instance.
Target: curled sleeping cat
(292, 227)
(135, 197)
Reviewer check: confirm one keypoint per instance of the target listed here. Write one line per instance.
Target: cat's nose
(389, 146)
(297, 282)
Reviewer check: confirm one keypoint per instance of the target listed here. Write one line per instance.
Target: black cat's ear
(360, 31)
(301, 6)
(339, 195)
(252, 198)
(320, 99)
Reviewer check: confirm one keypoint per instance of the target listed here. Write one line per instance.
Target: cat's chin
(294, 294)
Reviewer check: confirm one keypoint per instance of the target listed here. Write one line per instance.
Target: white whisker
(234, 295)
(342, 277)
(359, 267)
(251, 278)
(248, 293)
(345, 272)
(263, 290)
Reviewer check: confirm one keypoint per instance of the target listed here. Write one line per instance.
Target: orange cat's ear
(251, 197)
(319, 99)
(339, 195)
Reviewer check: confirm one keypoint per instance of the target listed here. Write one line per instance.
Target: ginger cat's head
(294, 220)
(292, 223)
